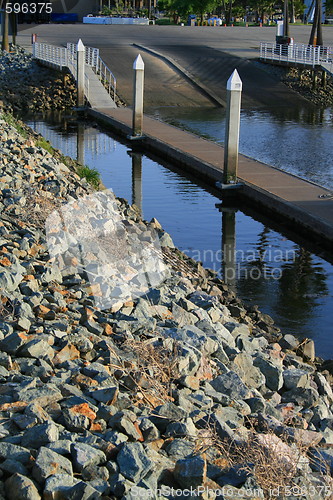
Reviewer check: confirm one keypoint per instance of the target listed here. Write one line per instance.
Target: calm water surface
(285, 280)
(299, 141)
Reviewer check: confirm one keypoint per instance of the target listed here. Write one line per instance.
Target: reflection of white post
(229, 265)
(137, 180)
(80, 143)
(80, 72)
(138, 67)
(234, 93)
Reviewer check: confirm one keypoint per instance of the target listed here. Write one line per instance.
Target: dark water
(284, 279)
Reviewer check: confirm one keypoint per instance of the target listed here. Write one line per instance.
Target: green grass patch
(44, 144)
(90, 174)
(16, 124)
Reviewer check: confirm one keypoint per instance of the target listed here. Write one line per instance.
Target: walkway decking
(304, 205)
(99, 80)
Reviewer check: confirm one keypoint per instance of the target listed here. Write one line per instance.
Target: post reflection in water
(229, 246)
(137, 180)
(293, 286)
(80, 143)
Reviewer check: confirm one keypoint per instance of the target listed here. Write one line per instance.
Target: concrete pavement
(210, 54)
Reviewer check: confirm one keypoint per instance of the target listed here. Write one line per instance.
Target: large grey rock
(181, 429)
(167, 413)
(40, 435)
(49, 463)
(133, 461)
(182, 317)
(124, 422)
(82, 491)
(15, 452)
(42, 395)
(85, 455)
(13, 466)
(231, 385)
(11, 343)
(57, 486)
(190, 472)
(250, 374)
(296, 378)
(180, 448)
(9, 281)
(272, 373)
(305, 397)
(105, 395)
(19, 487)
(37, 348)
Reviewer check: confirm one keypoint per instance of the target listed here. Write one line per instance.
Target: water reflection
(80, 143)
(302, 282)
(229, 267)
(296, 139)
(137, 180)
(292, 285)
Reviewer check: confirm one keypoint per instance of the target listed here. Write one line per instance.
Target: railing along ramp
(298, 55)
(99, 81)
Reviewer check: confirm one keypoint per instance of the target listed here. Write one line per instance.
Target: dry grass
(151, 372)
(274, 465)
(40, 204)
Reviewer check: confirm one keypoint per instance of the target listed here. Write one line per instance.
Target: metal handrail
(91, 54)
(106, 77)
(50, 53)
(67, 57)
(298, 53)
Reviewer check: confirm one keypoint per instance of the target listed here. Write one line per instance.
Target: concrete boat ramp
(302, 205)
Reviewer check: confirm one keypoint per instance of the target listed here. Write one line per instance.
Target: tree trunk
(5, 41)
(14, 27)
(292, 16)
(319, 26)
(314, 25)
(285, 19)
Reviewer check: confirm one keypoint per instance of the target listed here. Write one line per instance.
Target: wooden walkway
(303, 205)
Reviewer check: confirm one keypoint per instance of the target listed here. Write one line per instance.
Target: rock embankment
(301, 81)
(179, 390)
(28, 87)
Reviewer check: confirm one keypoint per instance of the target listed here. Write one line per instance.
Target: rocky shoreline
(181, 390)
(29, 87)
(301, 82)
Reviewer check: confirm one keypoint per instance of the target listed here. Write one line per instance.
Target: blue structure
(310, 8)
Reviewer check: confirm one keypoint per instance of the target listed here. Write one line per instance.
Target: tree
(175, 8)
(262, 8)
(201, 7)
(5, 41)
(316, 26)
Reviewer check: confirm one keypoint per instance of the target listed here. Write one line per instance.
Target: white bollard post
(138, 84)
(234, 93)
(80, 63)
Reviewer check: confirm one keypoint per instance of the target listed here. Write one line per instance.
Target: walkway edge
(289, 214)
(200, 86)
